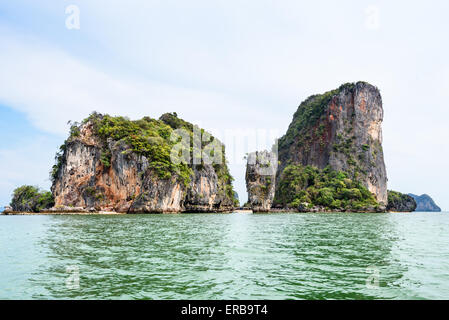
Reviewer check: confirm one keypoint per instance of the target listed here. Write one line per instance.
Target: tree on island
(31, 199)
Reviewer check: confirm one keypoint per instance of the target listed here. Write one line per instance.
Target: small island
(330, 160)
(425, 203)
(112, 164)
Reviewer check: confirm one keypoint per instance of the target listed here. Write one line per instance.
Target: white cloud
(28, 163)
(52, 87)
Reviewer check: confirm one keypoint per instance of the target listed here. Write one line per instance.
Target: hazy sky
(236, 67)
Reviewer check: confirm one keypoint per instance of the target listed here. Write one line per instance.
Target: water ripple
(235, 256)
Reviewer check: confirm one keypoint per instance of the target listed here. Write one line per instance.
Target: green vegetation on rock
(31, 199)
(308, 186)
(153, 139)
(307, 115)
(400, 202)
(147, 137)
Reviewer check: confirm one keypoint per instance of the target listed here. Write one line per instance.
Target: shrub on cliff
(328, 188)
(307, 115)
(400, 202)
(31, 199)
(153, 139)
(148, 137)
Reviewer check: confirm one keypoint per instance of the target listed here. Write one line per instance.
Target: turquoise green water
(230, 256)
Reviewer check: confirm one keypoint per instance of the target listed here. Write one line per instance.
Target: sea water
(226, 256)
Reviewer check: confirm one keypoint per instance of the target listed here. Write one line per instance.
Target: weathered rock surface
(129, 184)
(425, 203)
(261, 179)
(399, 202)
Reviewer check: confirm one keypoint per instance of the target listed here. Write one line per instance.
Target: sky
(236, 68)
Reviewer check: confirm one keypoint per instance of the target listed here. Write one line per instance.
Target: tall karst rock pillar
(261, 179)
(340, 129)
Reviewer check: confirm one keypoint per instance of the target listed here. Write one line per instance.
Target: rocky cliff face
(341, 130)
(114, 164)
(425, 203)
(260, 180)
(399, 202)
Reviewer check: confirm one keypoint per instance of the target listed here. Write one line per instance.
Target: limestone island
(113, 164)
(329, 160)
